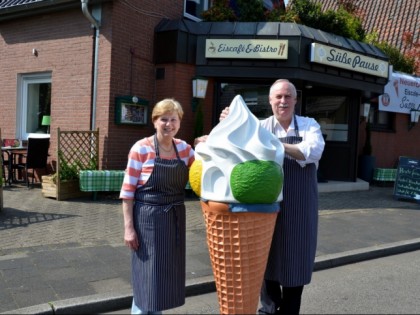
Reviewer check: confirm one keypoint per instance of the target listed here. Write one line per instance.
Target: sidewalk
(70, 254)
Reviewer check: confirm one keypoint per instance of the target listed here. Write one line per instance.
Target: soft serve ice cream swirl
(241, 161)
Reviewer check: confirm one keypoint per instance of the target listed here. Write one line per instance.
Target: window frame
(190, 16)
(24, 81)
(373, 118)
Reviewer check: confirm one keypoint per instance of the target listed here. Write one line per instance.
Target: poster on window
(401, 94)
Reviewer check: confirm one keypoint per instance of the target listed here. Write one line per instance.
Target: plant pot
(366, 167)
(68, 189)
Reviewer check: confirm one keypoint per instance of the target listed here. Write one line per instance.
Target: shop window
(194, 8)
(332, 113)
(254, 95)
(34, 102)
(380, 120)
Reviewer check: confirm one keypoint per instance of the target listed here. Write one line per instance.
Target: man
(292, 254)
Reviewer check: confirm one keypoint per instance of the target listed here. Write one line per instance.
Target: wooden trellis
(79, 149)
(76, 150)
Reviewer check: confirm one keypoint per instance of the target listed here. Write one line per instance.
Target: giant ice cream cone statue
(238, 176)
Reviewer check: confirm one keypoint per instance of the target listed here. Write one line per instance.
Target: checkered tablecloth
(385, 174)
(101, 180)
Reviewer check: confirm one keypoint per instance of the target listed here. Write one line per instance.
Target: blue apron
(158, 266)
(292, 254)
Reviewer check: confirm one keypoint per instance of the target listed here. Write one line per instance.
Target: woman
(154, 212)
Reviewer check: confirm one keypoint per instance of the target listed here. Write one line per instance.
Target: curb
(109, 302)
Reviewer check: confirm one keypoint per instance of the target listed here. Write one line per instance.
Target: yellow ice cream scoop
(196, 171)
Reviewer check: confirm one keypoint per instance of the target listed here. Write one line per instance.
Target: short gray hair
(291, 86)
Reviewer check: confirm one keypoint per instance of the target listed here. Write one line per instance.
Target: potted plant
(64, 184)
(367, 160)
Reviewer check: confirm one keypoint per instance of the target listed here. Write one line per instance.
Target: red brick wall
(133, 70)
(387, 147)
(65, 45)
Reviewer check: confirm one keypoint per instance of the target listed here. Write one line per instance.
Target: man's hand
(200, 139)
(224, 113)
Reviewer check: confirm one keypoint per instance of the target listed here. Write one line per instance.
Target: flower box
(68, 189)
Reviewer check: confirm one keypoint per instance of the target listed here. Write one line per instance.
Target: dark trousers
(276, 299)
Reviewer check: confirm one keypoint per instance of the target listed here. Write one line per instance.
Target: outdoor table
(12, 154)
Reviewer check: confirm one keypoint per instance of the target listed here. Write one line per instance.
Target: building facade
(104, 64)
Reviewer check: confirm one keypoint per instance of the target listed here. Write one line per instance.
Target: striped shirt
(141, 160)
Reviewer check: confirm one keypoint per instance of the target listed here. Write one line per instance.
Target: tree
(397, 59)
(412, 51)
(220, 11)
(346, 21)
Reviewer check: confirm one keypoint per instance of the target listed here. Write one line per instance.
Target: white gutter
(95, 24)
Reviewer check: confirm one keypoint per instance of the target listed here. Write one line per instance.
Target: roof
(270, 29)
(390, 19)
(12, 9)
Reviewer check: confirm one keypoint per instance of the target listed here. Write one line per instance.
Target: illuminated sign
(344, 59)
(246, 48)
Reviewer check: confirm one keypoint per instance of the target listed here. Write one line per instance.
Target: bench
(384, 175)
(100, 180)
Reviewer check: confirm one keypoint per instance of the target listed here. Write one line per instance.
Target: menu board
(407, 182)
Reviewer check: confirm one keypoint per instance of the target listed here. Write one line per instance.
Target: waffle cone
(238, 244)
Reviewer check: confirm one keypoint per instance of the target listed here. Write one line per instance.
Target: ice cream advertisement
(240, 162)
(401, 94)
(238, 175)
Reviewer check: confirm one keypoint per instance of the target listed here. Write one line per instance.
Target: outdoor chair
(4, 165)
(34, 158)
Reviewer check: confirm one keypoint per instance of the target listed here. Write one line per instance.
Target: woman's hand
(130, 238)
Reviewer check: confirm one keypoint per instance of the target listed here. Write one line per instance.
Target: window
(332, 113)
(380, 120)
(254, 95)
(193, 8)
(34, 102)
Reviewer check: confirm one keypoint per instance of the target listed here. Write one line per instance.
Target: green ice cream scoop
(256, 181)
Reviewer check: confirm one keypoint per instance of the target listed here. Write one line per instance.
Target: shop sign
(246, 48)
(401, 94)
(332, 56)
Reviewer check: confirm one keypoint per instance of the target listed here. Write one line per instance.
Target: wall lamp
(414, 118)
(199, 86)
(199, 89)
(364, 111)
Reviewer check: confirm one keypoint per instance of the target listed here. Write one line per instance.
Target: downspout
(95, 24)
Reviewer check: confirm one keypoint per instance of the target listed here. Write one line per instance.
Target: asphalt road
(388, 285)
